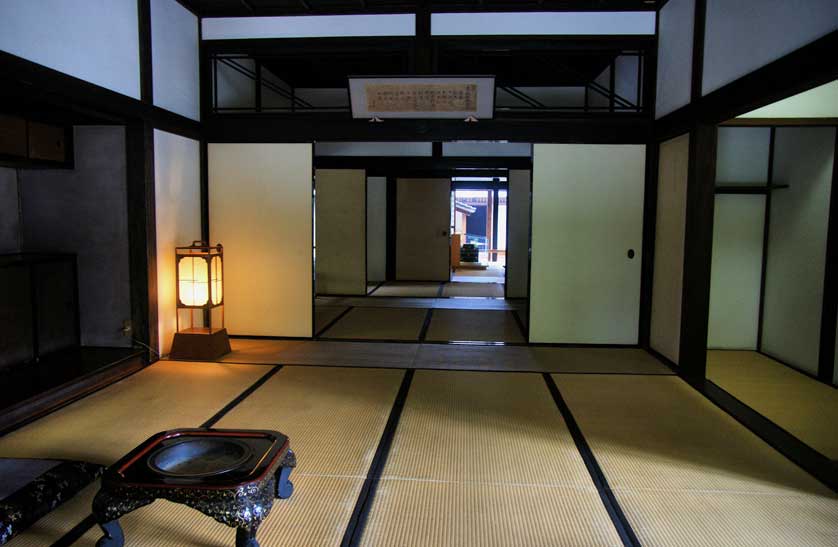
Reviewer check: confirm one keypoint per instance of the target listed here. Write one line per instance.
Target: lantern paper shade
(199, 276)
(193, 282)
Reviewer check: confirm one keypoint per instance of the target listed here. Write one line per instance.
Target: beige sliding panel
(260, 202)
(423, 218)
(518, 228)
(341, 265)
(673, 161)
(587, 231)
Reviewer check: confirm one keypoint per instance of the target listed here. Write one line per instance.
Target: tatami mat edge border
(618, 517)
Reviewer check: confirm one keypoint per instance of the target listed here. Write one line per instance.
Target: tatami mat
(379, 324)
(458, 288)
(315, 515)
(408, 288)
(686, 473)
(333, 416)
(323, 315)
(485, 459)
(804, 407)
(104, 426)
(334, 419)
(474, 325)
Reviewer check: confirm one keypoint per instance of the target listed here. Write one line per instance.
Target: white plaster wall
(675, 56)
(174, 55)
(803, 159)
(177, 196)
(736, 274)
(744, 35)
(95, 40)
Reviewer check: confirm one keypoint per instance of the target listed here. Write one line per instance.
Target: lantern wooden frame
(206, 292)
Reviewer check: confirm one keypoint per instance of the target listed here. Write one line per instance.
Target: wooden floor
(470, 458)
(445, 356)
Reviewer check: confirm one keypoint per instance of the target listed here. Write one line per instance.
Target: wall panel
(341, 231)
(95, 40)
(9, 211)
(85, 211)
(803, 159)
(675, 54)
(518, 246)
(174, 54)
(665, 336)
(177, 193)
(587, 214)
(376, 229)
(736, 277)
(260, 209)
(818, 102)
(745, 35)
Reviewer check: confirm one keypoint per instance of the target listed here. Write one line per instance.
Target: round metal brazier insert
(199, 457)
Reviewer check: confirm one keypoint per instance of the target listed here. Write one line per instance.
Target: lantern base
(200, 344)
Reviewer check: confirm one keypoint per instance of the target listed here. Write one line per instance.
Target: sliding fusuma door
(587, 231)
(260, 209)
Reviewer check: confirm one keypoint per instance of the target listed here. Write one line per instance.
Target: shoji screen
(587, 218)
(341, 264)
(376, 229)
(518, 246)
(260, 209)
(177, 195)
(673, 162)
(803, 159)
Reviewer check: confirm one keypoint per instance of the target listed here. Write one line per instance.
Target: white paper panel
(742, 155)
(311, 26)
(587, 212)
(518, 246)
(260, 207)
(373, 149)
(736, 276)
(177, 196)
(673, 162)
(745, 35)
(376, 228)
(543, 23)
(820, 102)
(95, 40)
(487, 149)
(174, 52)
(341, 231)
(675, 54)
(803, 159)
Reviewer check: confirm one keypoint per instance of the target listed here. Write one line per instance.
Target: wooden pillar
(698, 250)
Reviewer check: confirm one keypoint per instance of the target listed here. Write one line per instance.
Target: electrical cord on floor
(149, 348)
